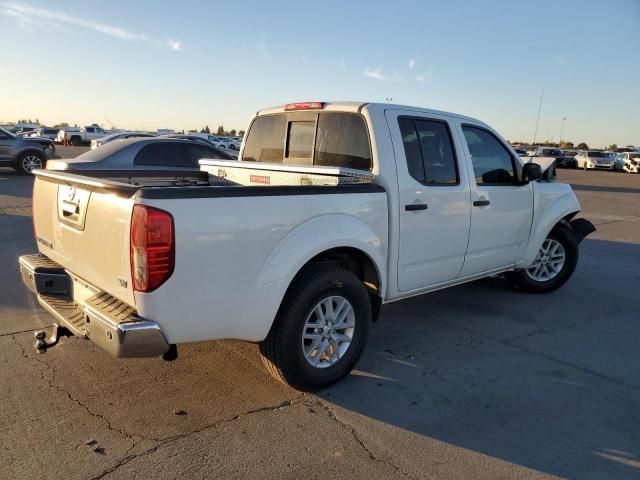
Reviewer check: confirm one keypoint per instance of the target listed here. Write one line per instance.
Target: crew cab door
(434, 209)
(502, 208)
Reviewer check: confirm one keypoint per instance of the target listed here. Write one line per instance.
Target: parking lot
(476, 381)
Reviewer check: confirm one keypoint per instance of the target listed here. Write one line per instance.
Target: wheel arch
(351, 243)
(550, 211)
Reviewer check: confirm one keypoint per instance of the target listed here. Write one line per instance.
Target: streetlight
(564, 119)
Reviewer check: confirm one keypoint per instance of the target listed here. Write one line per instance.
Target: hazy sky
(184, 64)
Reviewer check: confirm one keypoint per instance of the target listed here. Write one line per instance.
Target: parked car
(520, 151)
(594, 159)
(562, 161)
(628, 162)
(44, 132)
(24, 154)
(83, 135)
(97, 142)
(155, 153)
(333, 210)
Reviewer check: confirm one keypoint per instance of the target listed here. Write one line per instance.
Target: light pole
(564, 119)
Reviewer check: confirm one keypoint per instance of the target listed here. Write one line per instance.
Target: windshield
(551, 152)
(7, 132)
(598, 154)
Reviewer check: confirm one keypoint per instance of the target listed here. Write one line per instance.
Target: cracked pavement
(476, 381)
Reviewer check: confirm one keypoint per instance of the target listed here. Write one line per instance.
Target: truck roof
(356, 107)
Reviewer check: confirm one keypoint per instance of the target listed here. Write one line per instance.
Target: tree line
(221, 131)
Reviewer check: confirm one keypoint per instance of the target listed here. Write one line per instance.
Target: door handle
(481, 203)
(412, 207)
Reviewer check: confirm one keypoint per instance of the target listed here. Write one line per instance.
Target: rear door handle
(415, 206)
(481, 203)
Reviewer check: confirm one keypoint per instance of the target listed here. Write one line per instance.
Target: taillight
(304, 106)
(152, 247)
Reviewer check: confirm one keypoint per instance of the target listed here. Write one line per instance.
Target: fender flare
(560, 208)
(317, 235)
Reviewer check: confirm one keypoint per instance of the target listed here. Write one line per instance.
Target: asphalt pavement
(476, 381)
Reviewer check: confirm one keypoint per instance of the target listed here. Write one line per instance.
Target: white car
(628, 162)
(333, 210)
(594, 160)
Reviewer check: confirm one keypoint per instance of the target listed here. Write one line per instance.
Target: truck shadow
(534, 380)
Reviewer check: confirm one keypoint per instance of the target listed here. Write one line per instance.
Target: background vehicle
(65, 133)
(594, 159)
(23, 153)
(628, 162)
(562, 161)
(118, 136)
(44, 132)
(333, 209)
(155, 153)
(83, 136)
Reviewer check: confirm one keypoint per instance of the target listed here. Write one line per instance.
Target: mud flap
(581, 228)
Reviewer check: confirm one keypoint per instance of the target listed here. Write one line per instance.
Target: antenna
(535, 135)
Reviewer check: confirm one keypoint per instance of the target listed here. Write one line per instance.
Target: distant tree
(206, 129)
(61, 125)
(95, 125)
(202, 130)
(566, 144)
(582, 146)
(613, 147)
(37, 121)
(241, 133)
(233, 132)
(75, 125)
(220, 130)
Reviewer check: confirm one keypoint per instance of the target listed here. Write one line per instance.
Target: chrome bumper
(105, 320)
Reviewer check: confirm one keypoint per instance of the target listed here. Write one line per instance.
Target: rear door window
(164, 154)
(197, 152)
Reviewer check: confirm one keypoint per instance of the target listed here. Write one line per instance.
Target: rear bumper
(105, 320)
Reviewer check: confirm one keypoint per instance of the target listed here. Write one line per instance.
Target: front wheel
(320, 330)
(30, 161)
(554, 264)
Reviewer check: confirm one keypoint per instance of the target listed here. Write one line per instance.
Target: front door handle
(481, 203)
(412, 207)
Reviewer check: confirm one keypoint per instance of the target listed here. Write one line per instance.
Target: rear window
(266, 140)
(597, 154)
(164, 154)
(303, 138)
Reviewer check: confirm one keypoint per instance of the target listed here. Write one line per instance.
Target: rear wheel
(320, 330)
(30, 161)
(554, 264)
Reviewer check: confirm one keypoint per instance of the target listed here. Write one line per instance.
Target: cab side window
(429, 151)
(492, 163)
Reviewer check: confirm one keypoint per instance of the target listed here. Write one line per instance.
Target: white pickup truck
(80, 136)
(333, 210)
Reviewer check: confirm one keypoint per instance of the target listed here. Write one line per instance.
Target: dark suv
(24, 154)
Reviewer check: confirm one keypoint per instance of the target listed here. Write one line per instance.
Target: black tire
(521, 281)
(75, 141)
(282, 350)
(23, 161)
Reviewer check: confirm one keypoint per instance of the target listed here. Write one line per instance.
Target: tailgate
(84, 226)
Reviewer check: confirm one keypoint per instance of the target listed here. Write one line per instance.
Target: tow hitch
(42, 342)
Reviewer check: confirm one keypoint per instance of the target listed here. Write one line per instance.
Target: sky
(186, 64)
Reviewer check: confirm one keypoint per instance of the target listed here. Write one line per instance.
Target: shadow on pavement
(594, 188)
(550, 382)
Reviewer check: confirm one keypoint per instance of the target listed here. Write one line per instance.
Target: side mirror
(531, 172)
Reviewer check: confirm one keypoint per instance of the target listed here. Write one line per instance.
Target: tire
(75, 141)
(29, 161)
(523, 280)
(283, 351)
